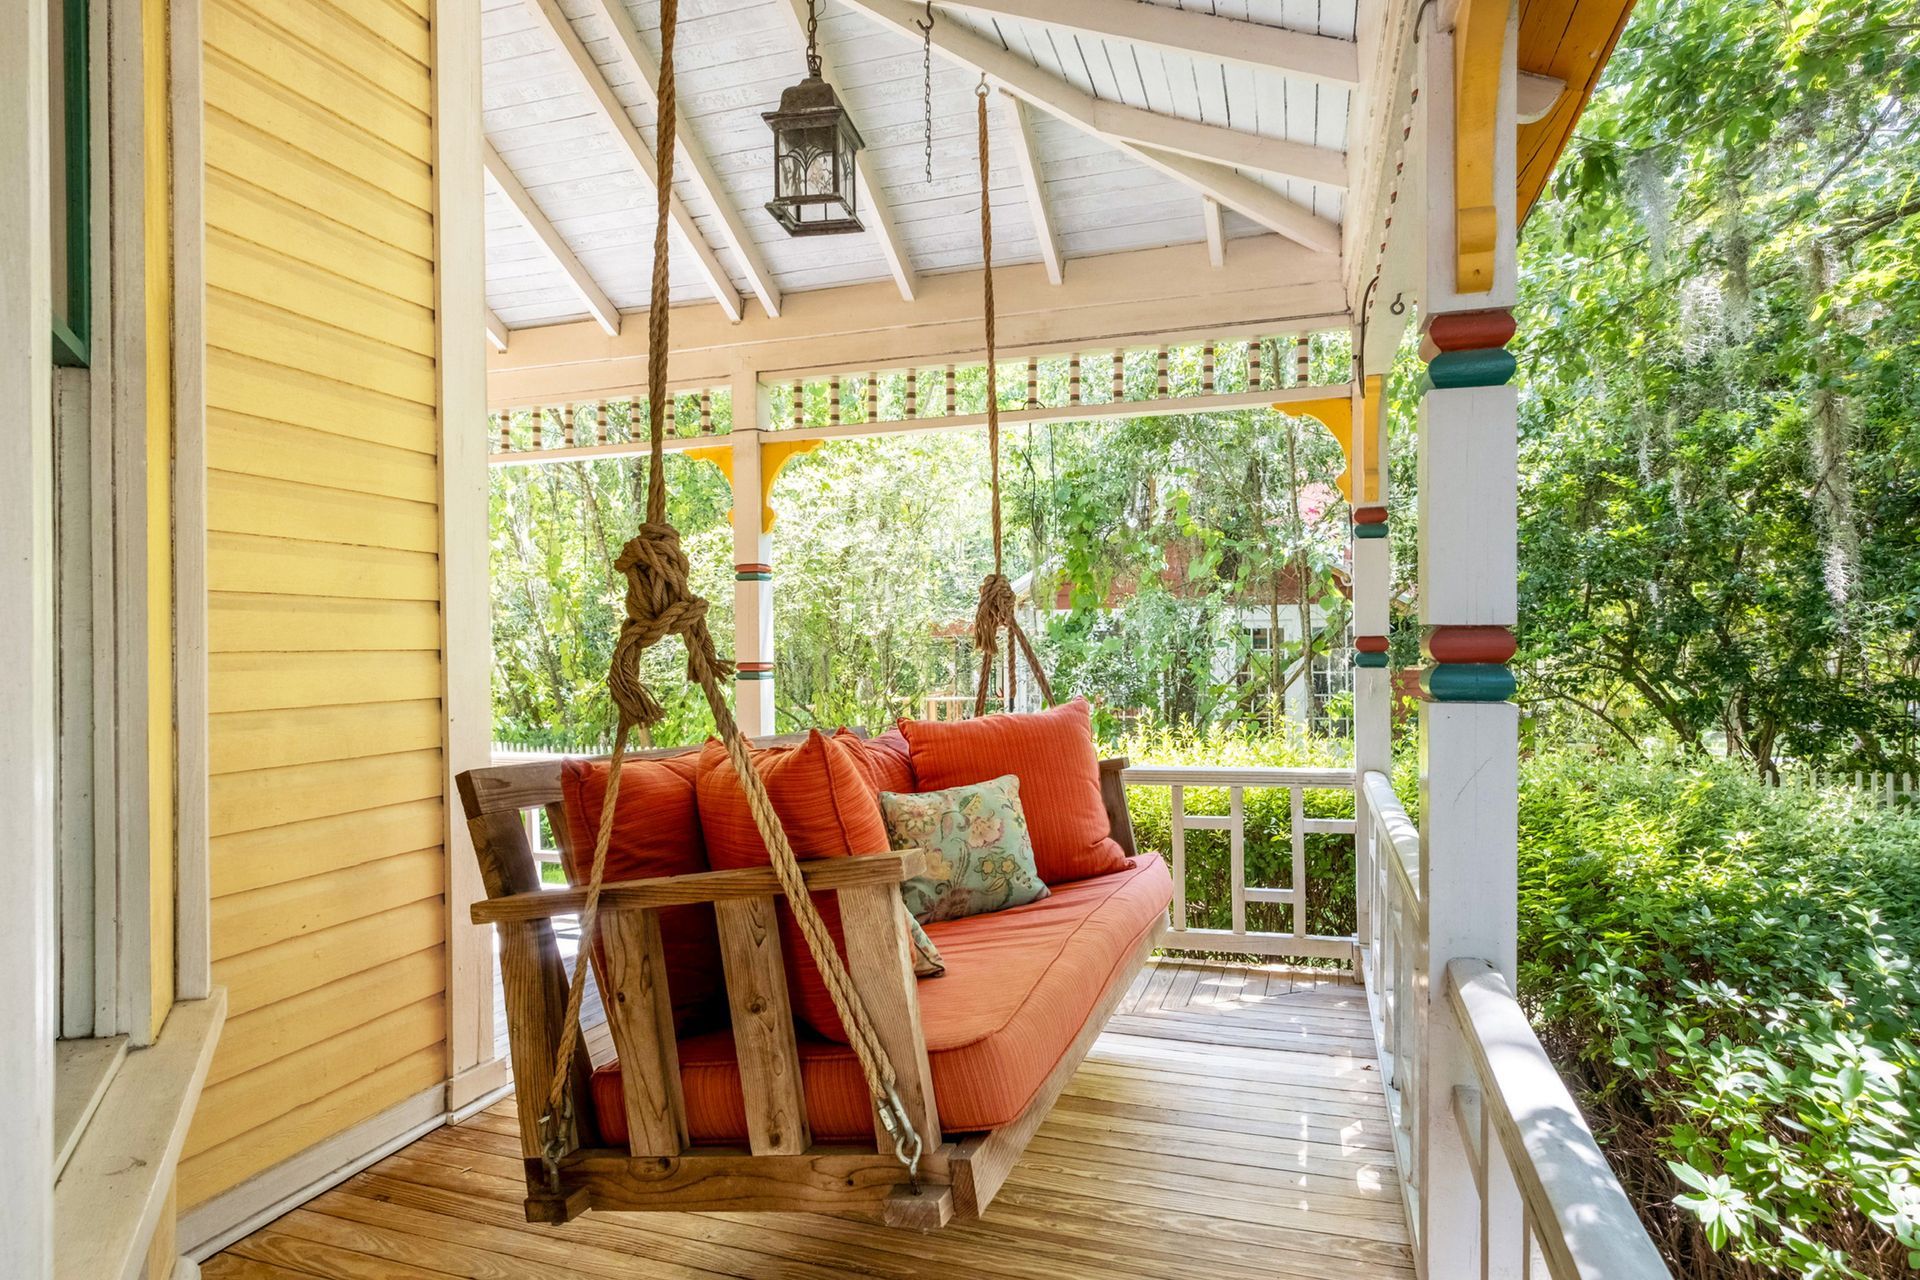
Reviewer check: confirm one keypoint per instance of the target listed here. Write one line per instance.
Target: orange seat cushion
(1052, 754)
(889, 766)
(820, 790)
(656, 832)
(1020, 985)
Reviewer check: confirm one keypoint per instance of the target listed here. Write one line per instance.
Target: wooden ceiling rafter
(1142, 135)
(639, 155)
(1326, 59)
(639, 62)
(1026, 151)
(579, 279)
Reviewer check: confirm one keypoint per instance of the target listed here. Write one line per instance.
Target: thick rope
(660, 603)
(998, 610)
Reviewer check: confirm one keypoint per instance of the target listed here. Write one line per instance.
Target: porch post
(752, 563)
(1467, 560)
(1371, 583)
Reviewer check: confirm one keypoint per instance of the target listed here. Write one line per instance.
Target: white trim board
(466, 641)
(28, 1004)
(193, 877)
(208, 1228)
(116, 1188)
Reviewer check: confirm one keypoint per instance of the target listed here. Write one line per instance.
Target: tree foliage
(1721, 315)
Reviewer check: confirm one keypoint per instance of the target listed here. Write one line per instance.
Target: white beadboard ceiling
(733, 58)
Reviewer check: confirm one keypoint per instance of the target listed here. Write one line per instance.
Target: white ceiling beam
(1216, 233)
(598, 305)
(614, 113)
(496, 331)
(1025, 151)
(639, 62)
(1278, 156)
(1242, 194)
(875, 214)
(1297, 53)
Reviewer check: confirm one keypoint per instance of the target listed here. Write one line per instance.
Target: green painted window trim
(72, 341)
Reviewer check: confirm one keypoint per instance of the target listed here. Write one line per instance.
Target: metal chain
(926, 79)
(813, 41)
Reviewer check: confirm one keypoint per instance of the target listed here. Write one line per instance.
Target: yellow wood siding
(327, 797)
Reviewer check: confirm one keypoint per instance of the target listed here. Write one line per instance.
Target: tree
(1718, 322)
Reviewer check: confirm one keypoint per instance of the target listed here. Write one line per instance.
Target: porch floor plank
(1229, 1126)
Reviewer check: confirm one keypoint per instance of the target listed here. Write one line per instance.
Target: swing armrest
(822, 875)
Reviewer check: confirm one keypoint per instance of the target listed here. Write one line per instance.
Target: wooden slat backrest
(532, 784)
(1113, 795)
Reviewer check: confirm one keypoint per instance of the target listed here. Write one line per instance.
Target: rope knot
(995, 613)
(660, 603)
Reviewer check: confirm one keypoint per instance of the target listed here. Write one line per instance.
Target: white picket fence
(1886, 789)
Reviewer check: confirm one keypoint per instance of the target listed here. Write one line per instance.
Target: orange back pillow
(1052, 754)
(829, 808)
(656, 832)
(888, 763)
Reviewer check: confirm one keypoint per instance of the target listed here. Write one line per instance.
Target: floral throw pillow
(979, 855)
(927, 961)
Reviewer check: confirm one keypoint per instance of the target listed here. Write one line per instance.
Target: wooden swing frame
(781, 1170)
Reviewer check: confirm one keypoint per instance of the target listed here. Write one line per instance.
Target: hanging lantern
(814, 143)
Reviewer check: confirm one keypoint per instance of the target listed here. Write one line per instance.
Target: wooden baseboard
(476, 1088)
(210, 1227)
(981, 1164)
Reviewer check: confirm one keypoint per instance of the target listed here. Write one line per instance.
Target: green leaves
(1726, 969)
(1718, 325)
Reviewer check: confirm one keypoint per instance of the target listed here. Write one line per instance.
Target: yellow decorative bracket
(773, 456)
(1479, 43)
(1335, 413)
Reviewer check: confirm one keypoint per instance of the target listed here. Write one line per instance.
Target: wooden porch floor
(1229, 1125)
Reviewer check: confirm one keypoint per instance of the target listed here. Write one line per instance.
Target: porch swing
(636, 1144)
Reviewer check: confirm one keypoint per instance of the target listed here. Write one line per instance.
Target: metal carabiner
(907, 1144)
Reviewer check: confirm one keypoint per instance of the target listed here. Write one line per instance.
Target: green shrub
(1726, 973)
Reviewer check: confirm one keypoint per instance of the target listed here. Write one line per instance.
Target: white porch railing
(1236, 781)
(1550, 1205)
(1394, 963)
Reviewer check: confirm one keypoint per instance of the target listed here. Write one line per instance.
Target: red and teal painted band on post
(753, 671)
(1369, 515)
(1376, 660)
(1369, 531)
(1467, 682)
(1467, 349)
(1468, 644)
(1370, 644)
(753, 573)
